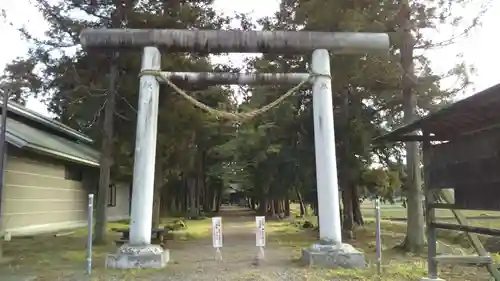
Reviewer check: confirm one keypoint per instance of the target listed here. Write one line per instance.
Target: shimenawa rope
(236, 116)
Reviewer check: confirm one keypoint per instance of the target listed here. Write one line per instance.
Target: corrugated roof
(475, 113)
(27, 137)
(46, 121)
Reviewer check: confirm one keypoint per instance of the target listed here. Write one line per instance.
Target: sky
(478, 49)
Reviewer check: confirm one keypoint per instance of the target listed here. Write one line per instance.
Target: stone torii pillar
(329, 251)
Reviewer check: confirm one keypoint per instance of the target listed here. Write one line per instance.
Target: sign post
(260, 236)
(378, 239)
(217, 236)
(90, 224)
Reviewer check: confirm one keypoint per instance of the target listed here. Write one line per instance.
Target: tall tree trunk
(276, 207)
(356, 206)
(287, 206)
(345, 177)
(183, 194)
(200, 180)
(209, 199)
(191, 181)
(313, 198)
(253, 203)
(348, 218)
(196, 195)
(415, 235)
(218, 197)
(166, 200)
(302, 206)
(262, 205)
(101, 219)
(214, 201)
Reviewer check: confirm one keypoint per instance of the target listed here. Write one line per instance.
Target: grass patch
(48, 256)
(195, 228)
(488, 219)
(397, 211)
(394, 271)
(397, 265)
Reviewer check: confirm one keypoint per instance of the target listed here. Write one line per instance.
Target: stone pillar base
(333, 256)
(145, 256)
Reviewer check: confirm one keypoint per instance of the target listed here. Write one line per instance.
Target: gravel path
(195, 260)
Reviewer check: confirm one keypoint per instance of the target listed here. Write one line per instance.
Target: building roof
(26, 137)
(69, 144)
(475, 113)
(20, 110)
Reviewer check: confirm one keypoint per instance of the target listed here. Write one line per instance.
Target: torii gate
(329, 251)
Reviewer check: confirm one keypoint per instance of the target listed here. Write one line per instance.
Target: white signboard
(217, 232)
(260, 233)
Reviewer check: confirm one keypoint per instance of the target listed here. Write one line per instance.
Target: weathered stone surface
(431, 279)
(148, 256)
(333, 256)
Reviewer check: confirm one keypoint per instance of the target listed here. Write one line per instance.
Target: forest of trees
(272, 155)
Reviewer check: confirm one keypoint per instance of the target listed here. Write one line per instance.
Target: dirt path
(195, 260)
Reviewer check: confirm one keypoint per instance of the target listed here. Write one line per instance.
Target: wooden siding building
(50, 170)
(461, 151)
